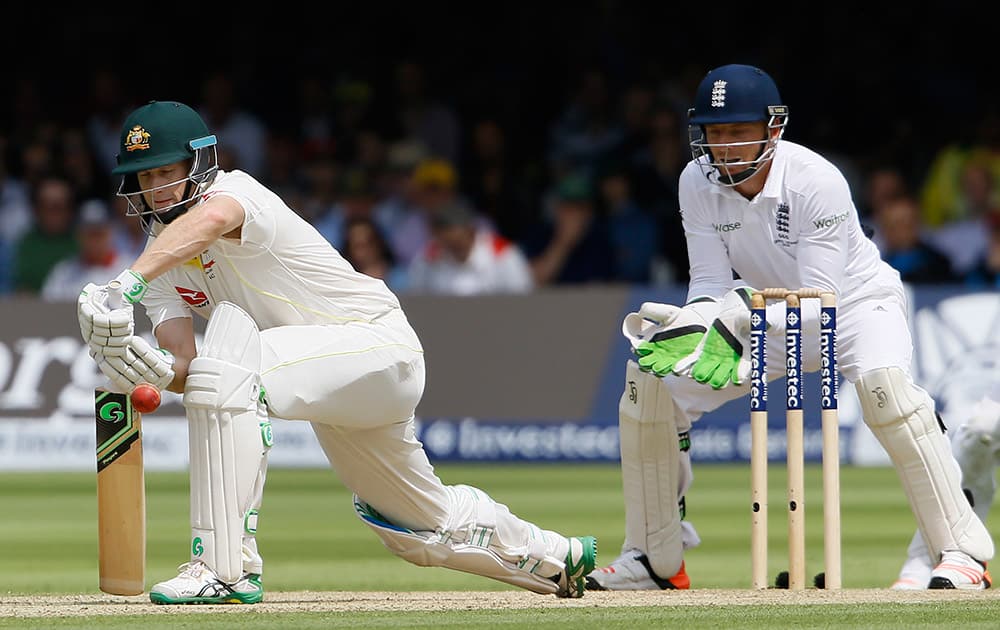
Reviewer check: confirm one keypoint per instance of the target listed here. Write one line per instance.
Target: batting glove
(103, 328)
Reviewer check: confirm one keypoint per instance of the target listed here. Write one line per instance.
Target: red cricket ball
(145, 398)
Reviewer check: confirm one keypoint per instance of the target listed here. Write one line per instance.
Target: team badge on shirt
(781, 225)
(193, 297)
(137, 139)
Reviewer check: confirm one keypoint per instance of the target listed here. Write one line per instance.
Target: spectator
(965, 240)
(395, 187)
(130, 236)
(883, 184)
(587, 131)
(657, 169)
(901, 243)
(492, 181)
(466, 258)
(77, 163)
(986, 273)
(352, 118)
(315, 123)
(108, 109)
(941, 196)
(97, 260)
(638, 106)
(422, 117)
(236, 128)
(435, 185)
(356, 200)
(366, 248)
(50, 239)
(37, 163)
(284, 168)
(574, 246)
(633, 231)
(15, 205)
(322, 178)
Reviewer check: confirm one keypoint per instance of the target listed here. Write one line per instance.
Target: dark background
(873, 83)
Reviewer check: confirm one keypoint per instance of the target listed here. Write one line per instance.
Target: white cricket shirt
(281, 270)
(801, 230)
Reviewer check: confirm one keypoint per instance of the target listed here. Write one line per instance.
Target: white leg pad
(651, 475)
(976, 445)
(901, 415)
(476, 540)
(230, 436)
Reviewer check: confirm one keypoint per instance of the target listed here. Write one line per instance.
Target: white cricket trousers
(358, 384)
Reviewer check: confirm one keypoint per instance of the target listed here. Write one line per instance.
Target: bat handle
(115, 299)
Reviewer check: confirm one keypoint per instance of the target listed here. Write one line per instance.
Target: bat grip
(115, 299)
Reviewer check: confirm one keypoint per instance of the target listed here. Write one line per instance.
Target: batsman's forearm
(180, 375)
(179, 242)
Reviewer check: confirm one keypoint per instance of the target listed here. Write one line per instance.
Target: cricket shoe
(960, 571)
(580, 560)
(631, 571)
(915, 574)
(909, 584)
(198, 584)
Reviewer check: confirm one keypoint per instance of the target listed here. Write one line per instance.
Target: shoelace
(191, 569)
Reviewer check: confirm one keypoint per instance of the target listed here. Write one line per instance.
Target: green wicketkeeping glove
(722, 356)
(682, 331)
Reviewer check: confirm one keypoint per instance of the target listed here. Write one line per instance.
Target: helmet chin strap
(168, 216)
(738, 178)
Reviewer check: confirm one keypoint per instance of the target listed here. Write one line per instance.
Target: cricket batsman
(293, 332)
(976, 446)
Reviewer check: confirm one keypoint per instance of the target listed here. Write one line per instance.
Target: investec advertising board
(510, 378)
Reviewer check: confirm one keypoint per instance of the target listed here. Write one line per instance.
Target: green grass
(311, 540)
(689, 618)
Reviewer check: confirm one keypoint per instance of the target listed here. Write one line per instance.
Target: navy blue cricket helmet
(735, 93)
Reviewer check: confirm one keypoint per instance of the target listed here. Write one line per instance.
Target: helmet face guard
(159, 134)
(715, 161)
(204, 166)
(735, 94)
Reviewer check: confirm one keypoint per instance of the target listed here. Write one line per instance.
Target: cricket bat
(121, 495)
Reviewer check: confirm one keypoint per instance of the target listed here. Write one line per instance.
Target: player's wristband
(130, 285)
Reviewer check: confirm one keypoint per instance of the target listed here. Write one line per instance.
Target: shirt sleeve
(162, 302)
(711, 271)
(823, 241)
(259, 223)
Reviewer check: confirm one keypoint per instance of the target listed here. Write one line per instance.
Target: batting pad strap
(440, 549)
(650, 456)
(902, 417)
(220, 385)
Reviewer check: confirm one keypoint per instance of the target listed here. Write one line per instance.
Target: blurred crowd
(431, 199)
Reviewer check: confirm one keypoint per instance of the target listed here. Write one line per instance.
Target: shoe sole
(232, 598)
(942, 583)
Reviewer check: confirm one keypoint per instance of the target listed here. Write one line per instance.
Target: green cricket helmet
(159, 134)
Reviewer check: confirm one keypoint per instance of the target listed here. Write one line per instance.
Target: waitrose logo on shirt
(830, 221)
(727, 227)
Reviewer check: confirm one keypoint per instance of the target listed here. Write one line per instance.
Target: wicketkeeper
(772, 214)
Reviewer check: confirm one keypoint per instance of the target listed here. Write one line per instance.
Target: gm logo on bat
(112, 412)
